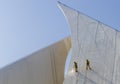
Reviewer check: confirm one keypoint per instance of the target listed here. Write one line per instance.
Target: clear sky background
(29, 25)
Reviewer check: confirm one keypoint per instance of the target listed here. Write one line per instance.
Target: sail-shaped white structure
(45, 66)
(98, 43)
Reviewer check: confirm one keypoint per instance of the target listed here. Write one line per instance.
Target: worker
(88, 65)
(75, 66)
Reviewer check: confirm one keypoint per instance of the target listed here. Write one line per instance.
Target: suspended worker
(88, 65)
(75, 66)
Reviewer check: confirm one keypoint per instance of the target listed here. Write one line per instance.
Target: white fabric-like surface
(96, 42)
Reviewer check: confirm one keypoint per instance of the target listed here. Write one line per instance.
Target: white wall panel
(98, 43)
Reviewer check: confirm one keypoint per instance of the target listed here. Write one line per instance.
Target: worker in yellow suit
(88, 65)
(75, 66)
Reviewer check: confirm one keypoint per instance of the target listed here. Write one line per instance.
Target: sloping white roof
(98, 43)
(45, 66)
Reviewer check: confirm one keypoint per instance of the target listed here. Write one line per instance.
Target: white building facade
(45, 66)
(96, 42)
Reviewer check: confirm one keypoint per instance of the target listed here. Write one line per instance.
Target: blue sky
(29, 25)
